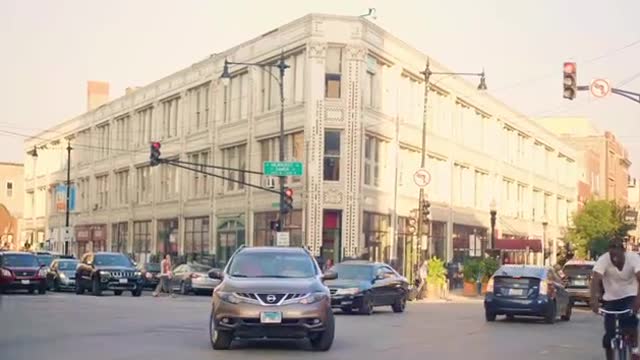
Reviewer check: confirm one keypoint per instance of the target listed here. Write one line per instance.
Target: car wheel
(117, 292)
(96, 290)
(347, 309)
(42, 289)
(489, 316)
(220, 340)
(79, 288)
(551, 315)
(567, 314)
(183, 289)
(367, 306)
(323, 341)
(400, 304)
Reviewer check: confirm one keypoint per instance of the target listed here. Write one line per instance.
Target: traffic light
(426, 212)
(570, 81)
(154, 157)
(288, 200)
(412, 225)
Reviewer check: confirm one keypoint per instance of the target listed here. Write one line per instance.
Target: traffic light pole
(66, 221)
(633, 96)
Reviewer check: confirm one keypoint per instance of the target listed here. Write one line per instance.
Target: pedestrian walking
(328, 264)
(165, 277)
(422, 277)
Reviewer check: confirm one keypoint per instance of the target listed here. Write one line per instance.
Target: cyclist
(619, 273)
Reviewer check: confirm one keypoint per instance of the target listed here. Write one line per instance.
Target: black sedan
(523, 290)
(62, 274)
(363, 285)
(150, 274)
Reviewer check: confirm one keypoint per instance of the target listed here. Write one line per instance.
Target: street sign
(422, 178)
(600, 88)
(275, 205)
(282, 168)
(67, 234)
(282, 239)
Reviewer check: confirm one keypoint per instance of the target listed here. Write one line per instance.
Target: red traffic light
(156, 145)
(288, 192)
(569, 67)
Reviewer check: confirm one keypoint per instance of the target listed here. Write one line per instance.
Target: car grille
(25, 273)
(122, 274)
(271, 299)
(333, 291)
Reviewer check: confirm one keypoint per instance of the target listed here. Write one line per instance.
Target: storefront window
(231, 235)
(439, 239)
(376, 234)
(168, 235)
(331, 236)
(265, 235)
(196, 238)
(468, 241)
(119, 237)
(141, 240)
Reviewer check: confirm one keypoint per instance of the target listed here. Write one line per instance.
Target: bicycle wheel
(622, 351)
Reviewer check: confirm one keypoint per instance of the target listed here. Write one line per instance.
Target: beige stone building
(11, 203)
(353, 116)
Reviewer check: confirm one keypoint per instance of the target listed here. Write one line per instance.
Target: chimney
(131, 89)
(97, 94)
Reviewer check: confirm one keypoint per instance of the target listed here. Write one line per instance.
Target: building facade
(353, 116)
(11, 204)
(634, 203)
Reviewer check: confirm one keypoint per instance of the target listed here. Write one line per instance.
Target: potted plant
(471, 272)
(436, 278)
(489, 267)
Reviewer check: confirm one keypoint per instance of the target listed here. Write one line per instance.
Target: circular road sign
(422, 178)
(600, 88)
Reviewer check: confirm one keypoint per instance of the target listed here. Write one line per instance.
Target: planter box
(434, 291)
(470, 289)
(484, 287)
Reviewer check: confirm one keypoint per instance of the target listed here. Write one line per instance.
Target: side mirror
(216, 274)
(329, 275)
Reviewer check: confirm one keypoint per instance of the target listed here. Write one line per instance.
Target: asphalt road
(71, 327)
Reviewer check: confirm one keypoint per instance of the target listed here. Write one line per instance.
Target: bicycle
(620, 345)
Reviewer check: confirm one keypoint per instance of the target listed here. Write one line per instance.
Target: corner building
(354, 110)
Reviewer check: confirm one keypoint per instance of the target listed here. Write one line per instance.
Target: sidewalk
(454, 297)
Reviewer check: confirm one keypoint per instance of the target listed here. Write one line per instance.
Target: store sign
(631, 217)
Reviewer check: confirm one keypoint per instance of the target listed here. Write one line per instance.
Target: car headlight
(63, 276)
(348, 291)
(104, 273)
(5, 272)
(137, 274)
(148, 275)
(42, 272)
(313, 298)
(228, 297)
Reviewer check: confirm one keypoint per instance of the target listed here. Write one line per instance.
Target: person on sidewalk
(165, 277)
(423, 271)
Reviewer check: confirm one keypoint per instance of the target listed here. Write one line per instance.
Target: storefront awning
(519, 244)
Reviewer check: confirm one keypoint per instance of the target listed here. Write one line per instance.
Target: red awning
(519, 244)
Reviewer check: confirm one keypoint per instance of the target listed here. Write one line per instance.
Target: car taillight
(544, 287)
(490, 285)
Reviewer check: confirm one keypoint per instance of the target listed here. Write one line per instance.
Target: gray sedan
(193, 277)
(62, 274)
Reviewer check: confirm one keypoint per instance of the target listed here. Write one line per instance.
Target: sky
(51, 48)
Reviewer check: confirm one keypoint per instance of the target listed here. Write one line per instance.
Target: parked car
(193, 277)
(271, 293)
(524, 290)
(111, 271)
(577, 277)
(363, 285)
(45, 258)
(150, 274)
(22, 271)
(62, 274)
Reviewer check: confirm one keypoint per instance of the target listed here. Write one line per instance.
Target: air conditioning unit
(269, 182)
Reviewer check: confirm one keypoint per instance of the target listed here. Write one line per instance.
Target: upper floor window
(145, 117)
(199, 107)
(238, 99)
(143, 185)
(9, 189)
(169, 184)
(293, 150)
(122, 132)
(200, 183)
(122, 187)
(170, 115)
(103, 141)
(234, 158)
(373, 81)
(293, 84)
(333, 73)
(374, 149)
(102, 185)
(332, 155)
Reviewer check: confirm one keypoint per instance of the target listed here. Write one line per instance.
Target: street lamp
(493, 212)
(545, 247)
(281, 66)
(427, 73)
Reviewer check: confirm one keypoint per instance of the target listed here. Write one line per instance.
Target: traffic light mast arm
(633, 96)
(220, 176)
(174, 161)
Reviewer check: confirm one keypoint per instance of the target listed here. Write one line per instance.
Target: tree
(594, 226)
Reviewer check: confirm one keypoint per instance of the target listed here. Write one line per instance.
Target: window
(9, 189)
(168, 237)
(293, 150)
(521, 201)
(169, 184)
(83, 194)
(199, 107)
(200, 183)
(333, 73)
(29, 204)
(143, 185)
(411, 100)
(373, 81)
(264, 234)
(332, 155)
(237, 95)
(122, 132)
(122, 187)
(83, 139)
(119, 235)
(144, 126)
(196, 240)
(170, 115)
(374, 149)
(103, 141)
(481, 190)
(141, 240)
(293, 84)
(235, 158)
(102, 187)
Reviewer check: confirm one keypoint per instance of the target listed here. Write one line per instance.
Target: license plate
(271, 317)
(123, 281)
(518, 292)
(24, 282)
(580, 282)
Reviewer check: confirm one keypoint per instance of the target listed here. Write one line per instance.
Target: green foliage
(489, 267)
(597, 223)
(472, 269)
(437, 273)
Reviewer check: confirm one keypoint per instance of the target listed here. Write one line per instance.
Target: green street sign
(275, 204)
(282, 168)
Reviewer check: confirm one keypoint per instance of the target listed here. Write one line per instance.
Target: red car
(22, 271)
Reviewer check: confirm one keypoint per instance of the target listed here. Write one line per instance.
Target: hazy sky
(49, 49)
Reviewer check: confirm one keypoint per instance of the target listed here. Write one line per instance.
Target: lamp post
(545, 247)
(281, 66)
(493, 212)
(427, 73)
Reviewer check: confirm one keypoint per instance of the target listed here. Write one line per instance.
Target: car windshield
(271, 264)
(200, 268)
(521, 271)
(153, 267)
(20, 260)
(574, 269)
(45, 259)
(67, 265)
(112, 260)
(354, 272)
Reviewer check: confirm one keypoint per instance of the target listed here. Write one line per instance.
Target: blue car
(524, 290)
